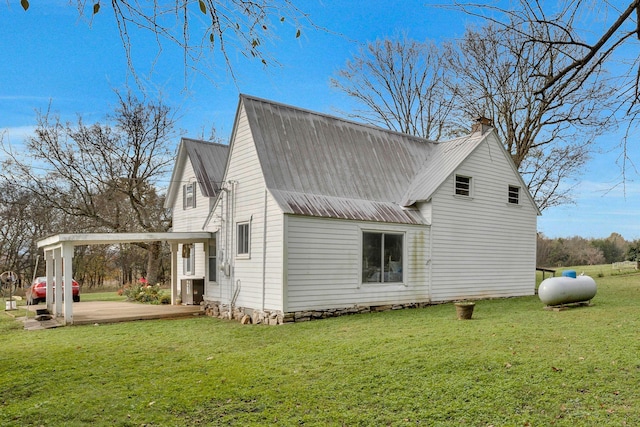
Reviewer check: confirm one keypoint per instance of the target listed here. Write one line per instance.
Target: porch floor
(93, 312)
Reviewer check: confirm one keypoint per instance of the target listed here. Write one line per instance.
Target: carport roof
(79, 239)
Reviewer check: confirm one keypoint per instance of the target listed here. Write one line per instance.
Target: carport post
(57, 278)
(67, 256)
(174, 273)
(48, 259)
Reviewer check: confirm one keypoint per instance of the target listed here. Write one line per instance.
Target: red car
(38, 291)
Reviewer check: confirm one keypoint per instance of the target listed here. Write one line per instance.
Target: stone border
(276, 317)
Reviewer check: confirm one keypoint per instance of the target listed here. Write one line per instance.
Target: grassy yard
(515, 364)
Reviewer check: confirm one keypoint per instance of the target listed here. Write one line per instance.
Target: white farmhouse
(314, 216)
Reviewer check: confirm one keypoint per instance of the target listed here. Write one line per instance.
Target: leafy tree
(613, 247)
(104, 177)
(633, 252)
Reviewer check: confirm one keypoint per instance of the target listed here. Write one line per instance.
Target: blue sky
(53, 57)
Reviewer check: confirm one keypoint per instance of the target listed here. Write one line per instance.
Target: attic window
(189, 195)
(514, 195)
(463, 185)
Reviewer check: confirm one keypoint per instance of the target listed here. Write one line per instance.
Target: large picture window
(382, 255)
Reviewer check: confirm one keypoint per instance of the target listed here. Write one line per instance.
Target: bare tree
(400, 84)
(104, 176)
(415, 88)
(498, 75)
(201, 27)
(587, 35)
(22, 220)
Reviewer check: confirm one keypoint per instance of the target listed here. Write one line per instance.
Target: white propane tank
(566, 290)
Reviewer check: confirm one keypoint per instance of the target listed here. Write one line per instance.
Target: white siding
(483, 246)
(259, 279)
(324, 265)
(190, 219)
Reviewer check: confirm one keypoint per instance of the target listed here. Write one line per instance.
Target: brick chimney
(481, 124)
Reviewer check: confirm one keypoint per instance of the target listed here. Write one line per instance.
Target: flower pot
(464, 310)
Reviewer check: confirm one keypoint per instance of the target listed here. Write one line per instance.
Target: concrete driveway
(93, 312)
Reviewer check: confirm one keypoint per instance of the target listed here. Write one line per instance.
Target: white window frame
(381, 277)
(189, 195)
(459, 191)
(515, 201)
(189, 264)
(243, 239)
(213, 257)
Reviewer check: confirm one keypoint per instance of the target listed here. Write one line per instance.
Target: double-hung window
(188, 259)
(382, 256)
(243, 239)
(189, 195)
(213, 260)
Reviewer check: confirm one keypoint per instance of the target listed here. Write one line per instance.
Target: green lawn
(514, 364)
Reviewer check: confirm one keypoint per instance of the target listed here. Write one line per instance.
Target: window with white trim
(463, 185)
(189, 195)
(243, 238)
(213, 260)
(188, 259)
(382, 256)
(514, 195)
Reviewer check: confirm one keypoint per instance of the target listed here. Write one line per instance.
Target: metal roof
(319, 165)
(79, 239)
(439, 166)
(208, 160)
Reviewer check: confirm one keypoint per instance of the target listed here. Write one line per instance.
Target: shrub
(145, 293)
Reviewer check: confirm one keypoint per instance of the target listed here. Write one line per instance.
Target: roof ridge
(202, 141)
(333, 117)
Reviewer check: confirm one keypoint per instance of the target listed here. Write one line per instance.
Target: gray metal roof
(444, 160)
(320, 165)
(208, 160)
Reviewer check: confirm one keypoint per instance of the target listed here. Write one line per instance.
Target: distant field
(514, 364)
(595, 271)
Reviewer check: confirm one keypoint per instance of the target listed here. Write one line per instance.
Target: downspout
(234, 244)
(430, 262)
(264, 252)
(223, 238)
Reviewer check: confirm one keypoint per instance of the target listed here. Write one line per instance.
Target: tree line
(568, 251)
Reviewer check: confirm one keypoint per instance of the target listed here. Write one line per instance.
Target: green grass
(514, 364)
(101, 296)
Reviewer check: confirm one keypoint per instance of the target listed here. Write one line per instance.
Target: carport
(58, 255)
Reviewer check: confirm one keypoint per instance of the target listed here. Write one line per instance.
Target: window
(463, 185)
(189, 195)
(382, 257)
(514, 194)
(188, 259)
(243, 238)
(213, 260)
